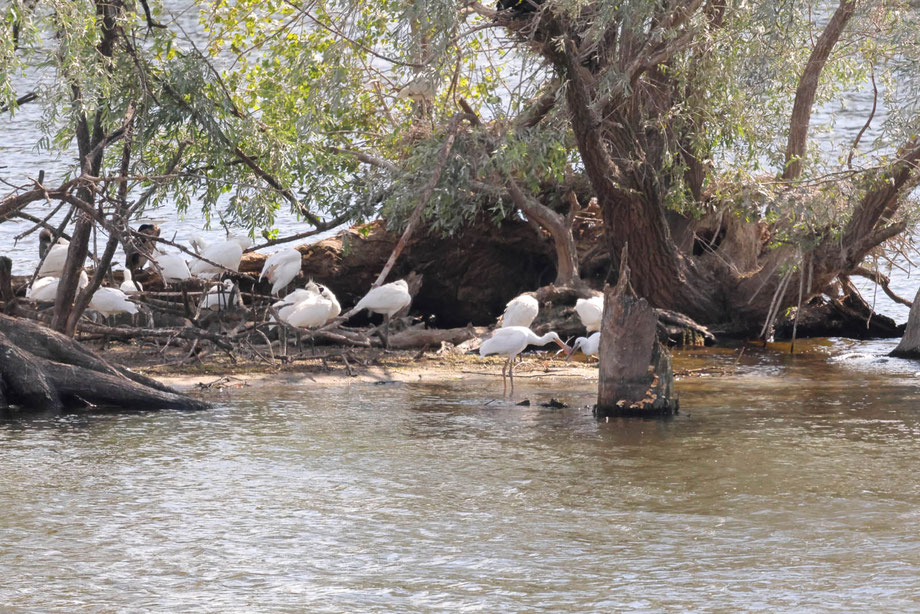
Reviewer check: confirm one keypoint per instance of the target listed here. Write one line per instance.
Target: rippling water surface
(790, 485)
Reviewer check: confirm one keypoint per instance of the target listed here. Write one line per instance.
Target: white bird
(111, 301)
(520, 311)
(53, 266)
(172, 267)
(387, 300)
(590, 311)
(335, 308)
(227, 254)
(221, 296)
(280, 268)
(589, 345)
(511, 341)
(129, 286)
(44, 242)
(287, 304)
(45, 288)
(312, 312)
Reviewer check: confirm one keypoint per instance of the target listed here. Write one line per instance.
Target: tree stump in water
(44, 371)
(909, 347)
(635, 376)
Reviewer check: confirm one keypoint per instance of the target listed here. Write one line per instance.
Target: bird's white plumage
(312, 312)
(53, 265)
(227, 254)
(221, 296)
(386, 299)
(280, 268)
(111, 301)
(129, 286)
(520, 311)
(590, 311)
(45, 288)
(589, 345)
(172, 266)
(511, 340)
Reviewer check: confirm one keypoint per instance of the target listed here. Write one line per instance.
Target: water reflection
(787, 485)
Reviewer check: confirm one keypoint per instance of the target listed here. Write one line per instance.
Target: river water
(787, 486)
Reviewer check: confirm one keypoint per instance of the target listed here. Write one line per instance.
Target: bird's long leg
(511, 374)
(504, 381)
(312, 344)
(386, 331)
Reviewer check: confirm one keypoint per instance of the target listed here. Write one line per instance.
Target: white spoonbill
(280, 268)
(172, 267)
(520, 311)
(111, 301)
(387, 300)
(45, 288)
(511, 341)
(221, 296)
(129, 286)
(289, 303)
(588, 345)
(227, 254)
(53, 265)
(311, 312)
(590, 311)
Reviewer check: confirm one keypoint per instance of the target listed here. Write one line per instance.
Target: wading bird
(44, 242)
(387, 300)
(590, 311)
(221, 296)
(511, 341)
(521, 311)
(281, 268)
(588, 345)
(53, 266)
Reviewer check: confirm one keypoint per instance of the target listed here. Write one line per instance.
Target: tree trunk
(909, 347)
(635, 376)
(42, 370)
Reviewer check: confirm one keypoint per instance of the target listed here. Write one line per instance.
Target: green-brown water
(788, 486)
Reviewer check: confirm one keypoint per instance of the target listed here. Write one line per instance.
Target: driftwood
(42, 370)
(634, 372)
(909, 347)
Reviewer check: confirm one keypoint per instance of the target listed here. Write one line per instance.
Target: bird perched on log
(590, 311)
(221, 296)
(227, 254)
(139, 245)
(172, 267)
(110, 302)
(387, 299)
(521, 311)
(511, 341)
(281, 268)
(129, 286)
(53, 266)
(45, 288)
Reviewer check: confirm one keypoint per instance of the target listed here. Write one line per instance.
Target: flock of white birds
(310, 307)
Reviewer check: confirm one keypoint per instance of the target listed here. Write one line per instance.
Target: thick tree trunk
(909, 347)
(42, 370)
(635, 376)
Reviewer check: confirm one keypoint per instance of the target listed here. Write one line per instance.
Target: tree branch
(808, 86)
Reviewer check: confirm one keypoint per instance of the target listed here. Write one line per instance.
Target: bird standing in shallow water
(520, 311)
(387, 299)
(588, 345)
(511, 341)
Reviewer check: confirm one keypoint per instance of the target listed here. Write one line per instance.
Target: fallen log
(42, 370)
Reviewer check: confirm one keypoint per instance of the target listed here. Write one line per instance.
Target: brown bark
(808, 86)
(635, 375)
(42, 370)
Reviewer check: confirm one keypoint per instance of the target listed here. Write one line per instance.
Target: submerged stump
(635, 376)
